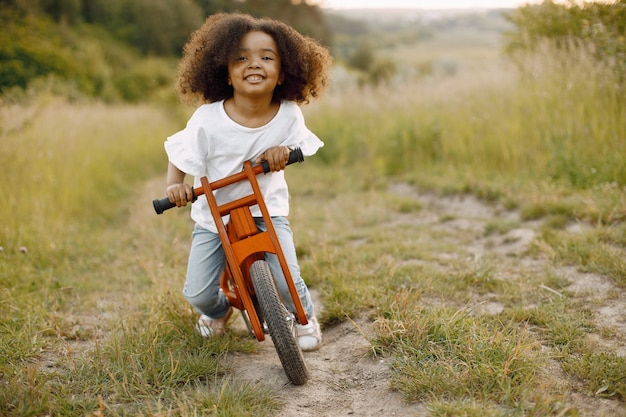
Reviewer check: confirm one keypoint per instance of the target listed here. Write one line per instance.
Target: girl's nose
(254, 64)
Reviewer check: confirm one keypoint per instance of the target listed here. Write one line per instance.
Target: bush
(147, 76)
(85, 58)
(374, 70)
(31, 48)
(602, 25)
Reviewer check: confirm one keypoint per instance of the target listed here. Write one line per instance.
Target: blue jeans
(207, 262)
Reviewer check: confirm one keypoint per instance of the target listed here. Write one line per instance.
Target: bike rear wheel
(280, 322)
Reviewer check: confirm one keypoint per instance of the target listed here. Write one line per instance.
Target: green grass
(494, 132)
(445, 354)
(419, 282)
(598, 250)
(83, 167)
(602, 373)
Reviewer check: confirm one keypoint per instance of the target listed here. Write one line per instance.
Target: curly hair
(203, 69)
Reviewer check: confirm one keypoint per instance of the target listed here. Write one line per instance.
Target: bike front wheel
(280, 322)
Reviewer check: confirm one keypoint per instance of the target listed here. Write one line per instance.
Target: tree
(374, 70)
(305, 18)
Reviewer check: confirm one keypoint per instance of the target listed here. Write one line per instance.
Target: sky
(422, 4)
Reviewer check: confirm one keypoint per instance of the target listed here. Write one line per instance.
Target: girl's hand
(277, 157)
(180, 194)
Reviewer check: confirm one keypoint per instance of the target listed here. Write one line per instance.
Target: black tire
(280, 322)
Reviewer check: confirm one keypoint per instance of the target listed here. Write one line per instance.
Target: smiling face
(254, 70)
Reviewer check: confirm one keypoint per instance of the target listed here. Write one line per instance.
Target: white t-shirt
(215, 146)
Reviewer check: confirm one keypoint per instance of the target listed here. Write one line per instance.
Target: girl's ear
(281, 78)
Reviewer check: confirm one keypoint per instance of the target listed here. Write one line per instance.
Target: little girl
(250, 75)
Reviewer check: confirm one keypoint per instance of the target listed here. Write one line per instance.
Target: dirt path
(347, 381)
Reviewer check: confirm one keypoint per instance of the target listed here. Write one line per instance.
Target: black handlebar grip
(294, 156)
(163, 204)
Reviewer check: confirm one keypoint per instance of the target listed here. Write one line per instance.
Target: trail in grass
(346, 379)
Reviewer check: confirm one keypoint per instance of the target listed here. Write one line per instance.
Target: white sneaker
(208, 327)
(309, 335)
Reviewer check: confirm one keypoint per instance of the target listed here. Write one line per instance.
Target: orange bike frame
(243, 244)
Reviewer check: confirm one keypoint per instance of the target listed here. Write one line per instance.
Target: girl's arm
(177, 191)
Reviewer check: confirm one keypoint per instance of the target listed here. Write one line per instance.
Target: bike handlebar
(295, 155)
(165, 204)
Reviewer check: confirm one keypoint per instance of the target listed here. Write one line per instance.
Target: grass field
(76, 246)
